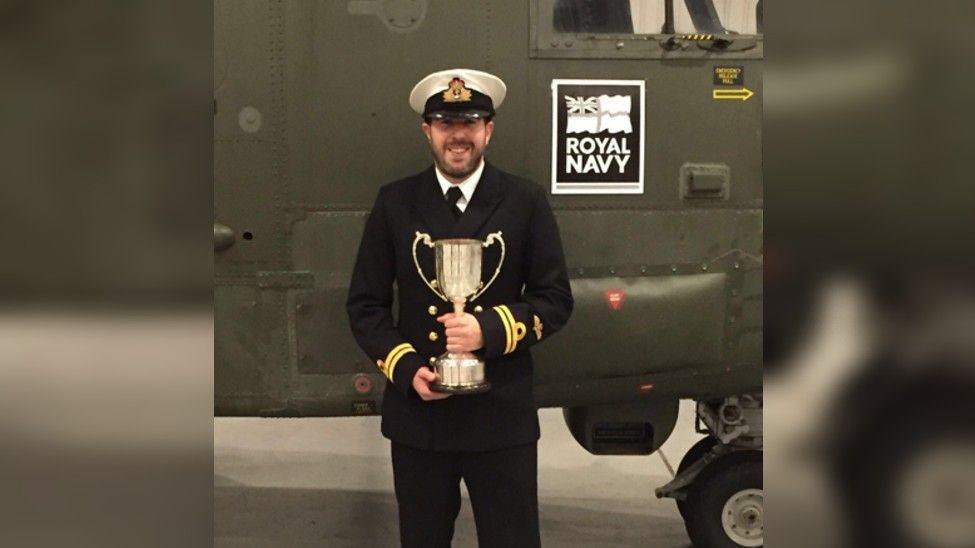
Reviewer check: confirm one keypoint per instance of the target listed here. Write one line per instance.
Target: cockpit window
(649, 16)
(613, 16)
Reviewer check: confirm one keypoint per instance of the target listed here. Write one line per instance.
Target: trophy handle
(494, 236)
(425, 238)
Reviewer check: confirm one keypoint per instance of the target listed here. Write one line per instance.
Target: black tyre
(726, 503)
(696, 451)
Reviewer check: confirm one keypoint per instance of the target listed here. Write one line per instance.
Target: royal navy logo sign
(598, 128)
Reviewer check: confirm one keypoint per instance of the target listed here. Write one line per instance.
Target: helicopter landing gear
(718, 485)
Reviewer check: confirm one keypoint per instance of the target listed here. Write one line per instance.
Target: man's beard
(461, 172)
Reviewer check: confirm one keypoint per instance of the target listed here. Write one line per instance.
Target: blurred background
(106, 330)
(106, 341)
(868, 288)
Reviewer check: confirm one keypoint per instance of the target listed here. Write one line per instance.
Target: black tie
(454, 194)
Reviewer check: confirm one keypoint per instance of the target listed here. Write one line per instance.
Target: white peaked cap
(438, 82)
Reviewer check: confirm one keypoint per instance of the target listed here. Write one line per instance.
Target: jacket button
(433, 360)
(432, 310)
(478, 308)
(433, 336)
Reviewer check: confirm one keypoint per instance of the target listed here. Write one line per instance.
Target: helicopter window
(649, 16)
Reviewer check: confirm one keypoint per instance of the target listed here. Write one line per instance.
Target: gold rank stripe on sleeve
(502, 313)
(394, 356)
(514, 331)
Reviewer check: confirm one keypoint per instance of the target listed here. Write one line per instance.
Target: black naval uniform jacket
(528, 301)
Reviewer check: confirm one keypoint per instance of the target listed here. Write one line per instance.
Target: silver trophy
(458, 281)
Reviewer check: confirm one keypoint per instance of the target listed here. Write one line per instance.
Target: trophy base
(473, 389)
(459, 373)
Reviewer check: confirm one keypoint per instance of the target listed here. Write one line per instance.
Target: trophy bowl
(459, 277)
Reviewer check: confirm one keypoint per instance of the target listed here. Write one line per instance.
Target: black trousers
(503, 486)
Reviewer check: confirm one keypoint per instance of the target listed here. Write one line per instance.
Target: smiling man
(458, 142)
(487, 439)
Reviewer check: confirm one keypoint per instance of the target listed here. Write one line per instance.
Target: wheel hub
(741, 517)
(937, 495)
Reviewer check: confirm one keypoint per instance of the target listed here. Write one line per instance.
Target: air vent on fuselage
(620, 437)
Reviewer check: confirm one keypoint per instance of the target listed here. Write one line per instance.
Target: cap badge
(456, 93)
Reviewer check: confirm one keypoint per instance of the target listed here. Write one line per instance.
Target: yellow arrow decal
(740, 93)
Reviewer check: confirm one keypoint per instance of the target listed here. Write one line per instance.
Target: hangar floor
(328, 482)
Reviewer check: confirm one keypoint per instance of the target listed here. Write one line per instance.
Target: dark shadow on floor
(253, 516)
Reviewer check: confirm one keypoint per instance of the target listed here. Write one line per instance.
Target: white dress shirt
(467, 186)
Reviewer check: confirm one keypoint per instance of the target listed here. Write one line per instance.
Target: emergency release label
(729, 76)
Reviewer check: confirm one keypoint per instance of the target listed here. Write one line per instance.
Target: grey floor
(328, 482)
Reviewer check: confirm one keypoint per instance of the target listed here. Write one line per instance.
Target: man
(488, 439)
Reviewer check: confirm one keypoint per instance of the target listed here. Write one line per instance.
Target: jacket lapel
(485, 200)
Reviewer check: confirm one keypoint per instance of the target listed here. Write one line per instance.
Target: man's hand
(463, 332)
(421, 383)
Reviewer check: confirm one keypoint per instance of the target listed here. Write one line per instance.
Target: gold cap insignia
(456, 93)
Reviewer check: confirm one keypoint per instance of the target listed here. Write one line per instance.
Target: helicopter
(642, 119)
